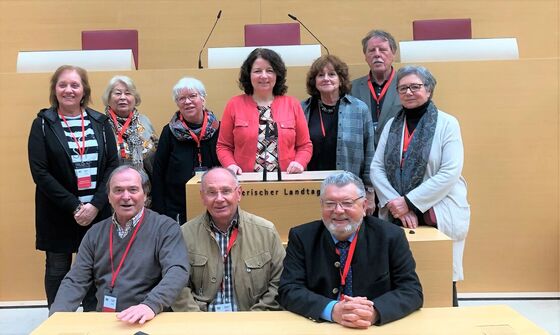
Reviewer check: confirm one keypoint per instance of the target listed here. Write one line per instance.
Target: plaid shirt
(129, 225)
(226, 295)
(354, 147)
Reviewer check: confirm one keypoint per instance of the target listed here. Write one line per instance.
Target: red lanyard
(321, 119)
(123, 130)
(197, 139)
(116, 273)
(344, 272)
(383, 90)
(232, 239)
(82, 150)
(407, 138)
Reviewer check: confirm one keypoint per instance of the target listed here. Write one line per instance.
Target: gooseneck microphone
(309, 31)
(211, 31)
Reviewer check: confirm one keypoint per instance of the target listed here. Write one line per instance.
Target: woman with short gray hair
(187, 145)
(416, 170)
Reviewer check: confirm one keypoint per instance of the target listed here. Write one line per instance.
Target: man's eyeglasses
(346, 204)
(412, 87)
(225, 192)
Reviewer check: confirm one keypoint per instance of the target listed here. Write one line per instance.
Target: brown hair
(275, 61)
(86, 99)
(382, 35)
(340, 68)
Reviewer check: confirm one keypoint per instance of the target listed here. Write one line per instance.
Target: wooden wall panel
(171, 32)
(510, 131)
(509, 111)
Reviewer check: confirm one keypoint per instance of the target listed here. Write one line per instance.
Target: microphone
(309, 31)
(201, 49)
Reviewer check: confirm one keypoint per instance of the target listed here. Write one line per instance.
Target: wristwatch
(77, 208)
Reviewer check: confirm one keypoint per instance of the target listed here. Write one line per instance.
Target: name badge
(83, 175)
(224, 308)
(200, 169)
(109, 303)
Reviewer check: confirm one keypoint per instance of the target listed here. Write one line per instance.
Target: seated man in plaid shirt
(236, 257)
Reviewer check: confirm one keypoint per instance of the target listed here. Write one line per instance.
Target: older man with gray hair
(137, 258)
(378, 89)
(236, 256)
(349, 268)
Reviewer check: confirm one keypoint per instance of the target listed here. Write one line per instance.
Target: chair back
(442, 29)
(111, 39)
(257, 35)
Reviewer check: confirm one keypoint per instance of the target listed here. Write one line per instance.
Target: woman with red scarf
(134, 133)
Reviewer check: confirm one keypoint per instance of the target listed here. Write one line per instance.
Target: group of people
(397, 150)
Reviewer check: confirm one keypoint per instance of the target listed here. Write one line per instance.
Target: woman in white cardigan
(416, 170)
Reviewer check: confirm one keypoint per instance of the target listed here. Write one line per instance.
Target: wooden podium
(295, 200)
(287, 203)
(433, 253)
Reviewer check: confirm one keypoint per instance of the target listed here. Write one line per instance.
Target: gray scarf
(410, 175)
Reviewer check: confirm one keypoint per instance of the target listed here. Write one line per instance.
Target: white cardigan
(443, 187)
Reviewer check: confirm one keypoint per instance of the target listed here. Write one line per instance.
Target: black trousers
(57, 266)
(455, 300)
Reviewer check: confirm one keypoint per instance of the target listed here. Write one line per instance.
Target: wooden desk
(294, 201)
(433, 253)
(292, 55)
(479, 320)
(91, 60)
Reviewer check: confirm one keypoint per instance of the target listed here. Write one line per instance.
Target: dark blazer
(391, 102)
(174, 165)
(56, 183)
(383, 270)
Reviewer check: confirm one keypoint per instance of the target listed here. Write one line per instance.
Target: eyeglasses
(191, 97)
(225, 192)
(346, 204)
(412, 87)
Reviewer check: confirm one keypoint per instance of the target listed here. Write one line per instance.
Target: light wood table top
(496, 320)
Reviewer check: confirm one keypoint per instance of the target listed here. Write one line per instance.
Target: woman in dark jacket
(187, 144)
(72, 151)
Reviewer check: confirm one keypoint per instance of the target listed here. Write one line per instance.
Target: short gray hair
(146, 186)
(189, 83)
(424, 74)
(382, 34)
(219, 168)
(342, 179)
(127, 81)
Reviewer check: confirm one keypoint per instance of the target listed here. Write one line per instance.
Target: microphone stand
(279, 170)
(266, 136)
(309, 31)
(211, 31)
(278, 160)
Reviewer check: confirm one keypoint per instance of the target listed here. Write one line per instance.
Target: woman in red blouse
(263, 128)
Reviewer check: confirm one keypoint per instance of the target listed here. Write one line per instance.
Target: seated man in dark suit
(379, 284)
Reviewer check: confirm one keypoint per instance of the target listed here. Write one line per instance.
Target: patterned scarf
(134, 143)
(182, 134)
(410, 175)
